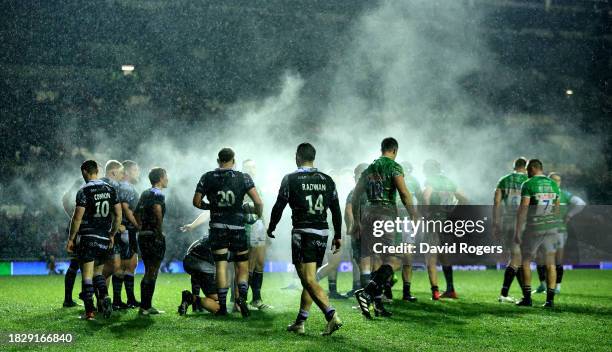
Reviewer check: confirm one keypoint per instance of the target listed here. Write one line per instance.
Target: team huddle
(111, 226)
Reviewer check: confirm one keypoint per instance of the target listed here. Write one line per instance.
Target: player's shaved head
(225, 155)
(389, 144)
(90, 167)
(112, 165)
(535, 164)
(520, 163)
(306, 152)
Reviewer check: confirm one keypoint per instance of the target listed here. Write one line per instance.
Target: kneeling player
(309, 193)
(96, 219)
(200, 265)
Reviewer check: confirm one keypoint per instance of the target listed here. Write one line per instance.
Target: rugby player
(360, 279)
(113, 174)
(380, 182)
(195, 283)
(128, 240)
(200, 265)
(96, 219)
(309, 193)
(441, 195)
(151, 240)
(256, 234)
(506, 200)
(225, 189)
(73, 267)
(539, 213)
(571, 205)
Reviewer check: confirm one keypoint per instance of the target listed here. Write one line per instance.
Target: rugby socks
(509, 275)
(99, 284)
(147, 289)
(301, 317)
(117, 287)
(129, 287)
(332, 284)
(329, 312)
(69, 280)
(448, 275)
(559, 275)
(195, 286)
(527, 292)
(406, 290)
(256, 283)
(542, 274)
(550, 295)
(434, 289)
(364, 278)
(243, 290)
(379, 278)
(87, 295)
(222, 295)
(519, 276)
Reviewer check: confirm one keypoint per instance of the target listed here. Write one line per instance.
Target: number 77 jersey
(309, 193)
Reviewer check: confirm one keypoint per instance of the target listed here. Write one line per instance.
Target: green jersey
(379, 184)
(247, 200)
(510, 187)
(415, 190)
(543, 194)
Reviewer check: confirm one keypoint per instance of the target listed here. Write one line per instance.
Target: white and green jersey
(510, 187)
(543, 194)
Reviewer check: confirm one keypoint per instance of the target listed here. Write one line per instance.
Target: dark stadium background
(61, 84)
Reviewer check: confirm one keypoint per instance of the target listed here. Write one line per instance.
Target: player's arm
(257, 202)
(348, 217)
(129, 214)
(497, 198)
(198, 201)
(461, 197)
(405, 195)
(577, 205)
(521, 217)
(356, 205)
(159, 219)
(336, 213)
(277, 210)
(75, 224)
(427, 195)
(117, 215)
(202, 218)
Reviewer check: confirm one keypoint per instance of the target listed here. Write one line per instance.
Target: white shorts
(257, 235)
(533, 240)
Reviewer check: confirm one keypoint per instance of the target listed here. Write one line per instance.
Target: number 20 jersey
(309, 193)
(98, 198)
(225, 190)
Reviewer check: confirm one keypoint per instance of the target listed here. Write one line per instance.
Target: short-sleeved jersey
(127, 193)
(200, 251)
(225, 190)
(309, 193)
(543, 194)
(144, 209)
(442, 190)
(378, 181)
(510, 187)
(98, 198)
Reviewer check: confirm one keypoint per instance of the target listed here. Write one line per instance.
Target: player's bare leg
(510, 273)
(330, 270)
(314, 293)
(257, 257)
(432, 272)
(221, 277)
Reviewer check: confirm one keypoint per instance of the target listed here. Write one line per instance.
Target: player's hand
(70, 246)
(112, 241)
(336, 244)
(121, 228)
(186, 228)
(269, 232)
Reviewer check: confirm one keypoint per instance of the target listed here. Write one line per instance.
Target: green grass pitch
(582, 319)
